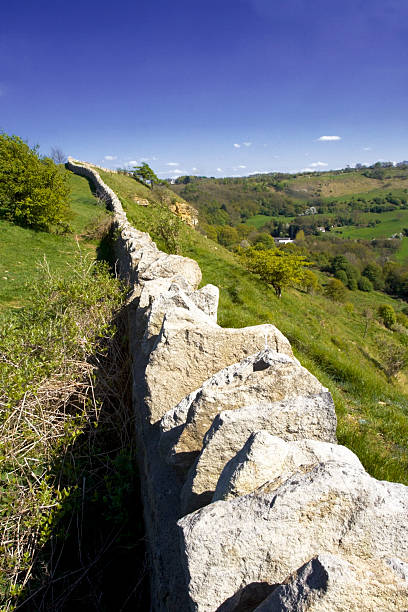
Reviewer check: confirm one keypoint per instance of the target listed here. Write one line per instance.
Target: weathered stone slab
(264, 537)
(188, 351)
(265, 458)
(225, 469)
(332, 583)
(263, 378)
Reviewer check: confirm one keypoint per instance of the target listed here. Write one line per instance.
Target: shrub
(335, 290)
(33, 190)
(364, 284)
(342, 276)
(310, 282)
(386, 314)
(402, 319)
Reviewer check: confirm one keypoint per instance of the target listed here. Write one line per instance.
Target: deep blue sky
(181, 82)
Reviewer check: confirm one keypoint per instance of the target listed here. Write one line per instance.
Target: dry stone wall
(249, 502)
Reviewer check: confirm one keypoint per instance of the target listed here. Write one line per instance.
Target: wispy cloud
(328, 138)
(366, 148)
(308, 170)
(237, 146)
(247, 144)
(242, 144)
(241, 166)
(194, 169)
(220, 169)
(318, 164)
(132, 162)
(172, 164)
(110, 157)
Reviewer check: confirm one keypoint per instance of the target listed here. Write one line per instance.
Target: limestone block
(263, 378)
(188, 351)
(329, 582)
(265, 458)
(264, 537)
(220, 471)
(172, 265)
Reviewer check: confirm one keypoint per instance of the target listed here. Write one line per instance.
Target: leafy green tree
(144, 174)
(341, 275)
(310, 282)
(335, 290)
(276, 267)
(374, 273)
(364, 284)
(33, 190)
(387, 315)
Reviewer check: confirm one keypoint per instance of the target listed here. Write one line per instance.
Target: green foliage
(387, 315)
(364, 284)
(44, 355)
(394, 358)
(310, 281)
(374, 273)
(335, 290)
(33, 190)
(145, 175)
(276, 267)
(341, 275)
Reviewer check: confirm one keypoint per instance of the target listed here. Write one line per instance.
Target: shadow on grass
(94, 557)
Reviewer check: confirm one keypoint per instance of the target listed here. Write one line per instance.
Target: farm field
(390, 222)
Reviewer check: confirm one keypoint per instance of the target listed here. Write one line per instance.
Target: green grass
(391, 222)
(259, 220)
(326, 337)
(22, 250)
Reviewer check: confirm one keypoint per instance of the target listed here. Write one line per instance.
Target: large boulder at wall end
(231, 547)
(232, 464)
(189, 350)
(332, 583)
(265, 458)
(260, 379)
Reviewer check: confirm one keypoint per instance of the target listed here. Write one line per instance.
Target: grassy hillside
(22, 249)
(330, 339)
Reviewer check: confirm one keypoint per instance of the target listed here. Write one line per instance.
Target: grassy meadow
(22, 250)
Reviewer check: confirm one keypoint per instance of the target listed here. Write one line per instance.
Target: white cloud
(194, 169)
(247, 144)
(308, 170)
(179, 171)
(132, 162)
(241, 166)
(329, 138)
(220, 169)
(110, 157)
(318, 164)
(173, 164)
(237, 146)
(366, 148)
